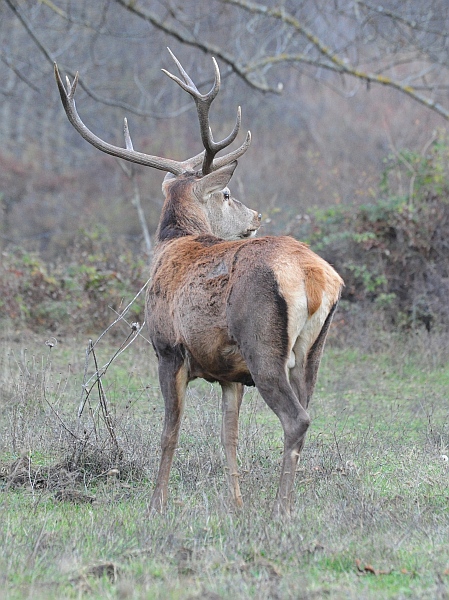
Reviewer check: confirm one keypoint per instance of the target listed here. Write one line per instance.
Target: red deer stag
(223, 305)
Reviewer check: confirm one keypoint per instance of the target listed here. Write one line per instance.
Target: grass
(371, 518)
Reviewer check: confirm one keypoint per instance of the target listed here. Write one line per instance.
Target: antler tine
(128, 153)
(128, 141)
(203, 103)
(188, 85)
(217, 146)
(221, 161)
(71, 88)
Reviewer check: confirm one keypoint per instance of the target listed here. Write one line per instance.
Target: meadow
(371, 514)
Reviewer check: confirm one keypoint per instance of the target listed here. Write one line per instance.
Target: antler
(203, 103)
(128, 153)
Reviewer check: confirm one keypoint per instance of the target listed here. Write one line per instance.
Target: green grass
(371, 517)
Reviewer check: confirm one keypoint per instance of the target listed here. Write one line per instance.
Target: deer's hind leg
(173, 378)
(295, 421)
(304, 373)
(260, 327)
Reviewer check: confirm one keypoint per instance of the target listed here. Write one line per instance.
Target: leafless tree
(399, 44)
(297, 63)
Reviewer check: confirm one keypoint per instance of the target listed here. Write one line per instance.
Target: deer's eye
(226, 195)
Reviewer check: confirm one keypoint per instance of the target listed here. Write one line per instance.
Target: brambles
(80, 291)
(393, 253)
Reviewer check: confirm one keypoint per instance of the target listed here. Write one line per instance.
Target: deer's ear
(215, 181)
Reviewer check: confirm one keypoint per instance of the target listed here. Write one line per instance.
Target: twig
(89, 383)
(91, 344)
(338, 447)
(104, 406)
(60, 420)
(124, 311)
(99, 372)
(130, 172)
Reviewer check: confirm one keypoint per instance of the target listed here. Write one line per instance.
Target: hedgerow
(393, 252)
(82, 289)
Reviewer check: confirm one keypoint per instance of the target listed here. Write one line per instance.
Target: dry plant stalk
(101, 410)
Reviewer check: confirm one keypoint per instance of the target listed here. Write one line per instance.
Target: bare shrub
(393, 253)
(80, 291)
(54, 444)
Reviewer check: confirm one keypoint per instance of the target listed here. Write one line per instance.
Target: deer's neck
(181, 215)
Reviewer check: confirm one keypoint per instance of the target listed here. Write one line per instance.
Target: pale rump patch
(310, 287)
(311, 330)
(291, 360)
(297, 318)
(316, 275)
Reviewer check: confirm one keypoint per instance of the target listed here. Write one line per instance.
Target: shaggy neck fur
(181, 213)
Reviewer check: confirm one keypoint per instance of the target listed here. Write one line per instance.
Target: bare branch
(381, 10)
(89, 91)
(325, 56)
(55, 8)
(130, 173)
(11, 66)
(190, 40)
(334, 61)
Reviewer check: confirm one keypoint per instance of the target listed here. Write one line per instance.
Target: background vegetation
(392, 252)
(327, 89)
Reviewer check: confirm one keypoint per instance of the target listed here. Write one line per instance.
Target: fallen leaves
(369, 569)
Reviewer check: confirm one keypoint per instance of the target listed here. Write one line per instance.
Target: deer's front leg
(173, 378)
(231, 402)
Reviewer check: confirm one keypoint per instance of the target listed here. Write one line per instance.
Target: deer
(223, 304)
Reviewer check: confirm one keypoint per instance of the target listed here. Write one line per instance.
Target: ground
(371, 515)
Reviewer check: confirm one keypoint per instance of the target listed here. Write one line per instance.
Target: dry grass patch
(371, 517)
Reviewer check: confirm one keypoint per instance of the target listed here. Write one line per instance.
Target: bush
(82, 290)
(394, 252)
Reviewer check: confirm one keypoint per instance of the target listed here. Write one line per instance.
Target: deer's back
(205, 291)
